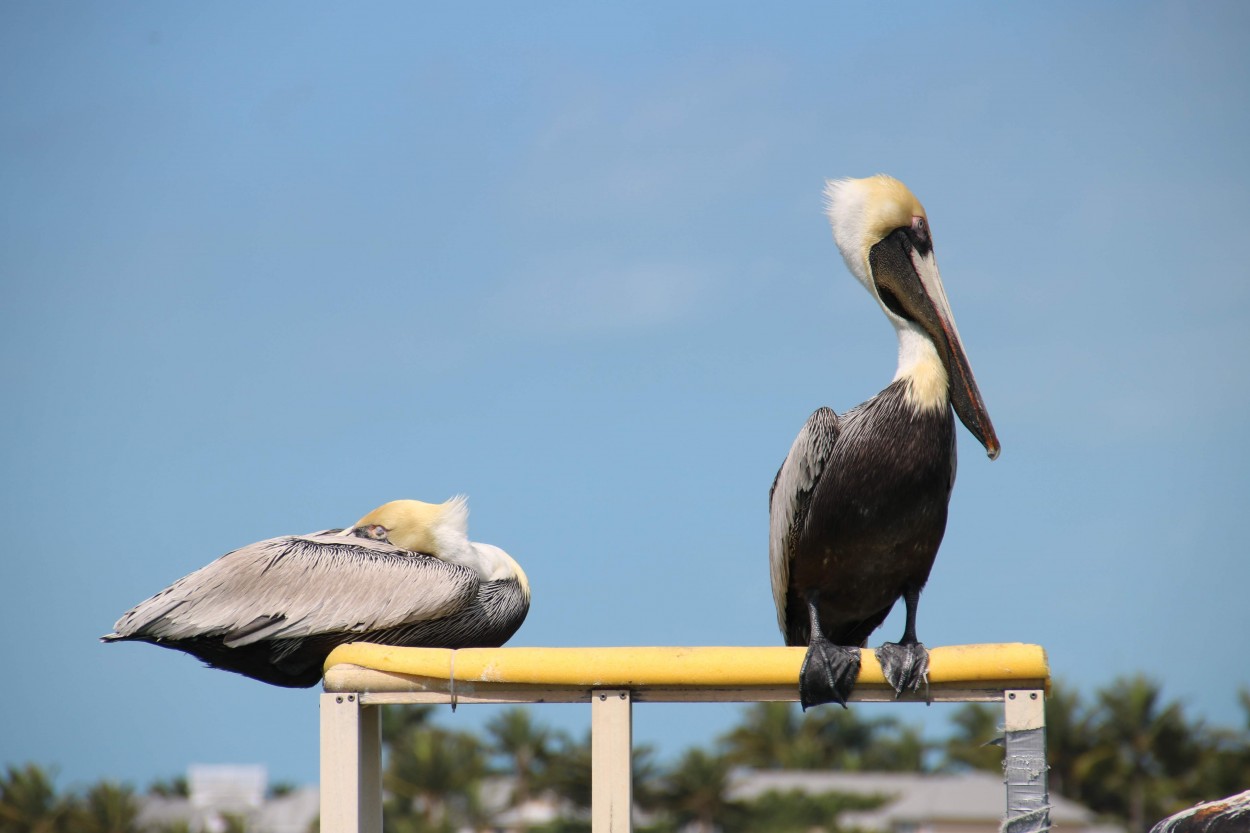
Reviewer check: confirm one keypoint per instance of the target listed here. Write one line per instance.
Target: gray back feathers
(298, 586)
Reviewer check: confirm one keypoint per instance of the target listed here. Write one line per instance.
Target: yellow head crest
(863, 211)
(411, 524)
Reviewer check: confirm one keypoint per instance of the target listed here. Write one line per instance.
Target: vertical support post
(370, 768)
(611, 747)
(1024, 763)
(351, 765)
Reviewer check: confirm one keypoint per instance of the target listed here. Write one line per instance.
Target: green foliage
(1143, 750)
(29, 803)
(178, 827)
(779, 736)
(169, 787)
(234, 824)
(524, 748)
(695, 794)
(1070, 737)
(568, 775)
(432, 779)
(281, 788)
(971, 746)
(1225, 765)
(563, 826)
(399, 720)
(798, 812)
(105, 808)
(1127, 753)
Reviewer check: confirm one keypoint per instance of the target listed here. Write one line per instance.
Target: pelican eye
(374, 532)
(919, 235)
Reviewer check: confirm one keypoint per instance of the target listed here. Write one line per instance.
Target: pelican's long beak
(905, 273)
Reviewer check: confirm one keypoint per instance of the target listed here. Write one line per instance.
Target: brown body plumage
(858, 507)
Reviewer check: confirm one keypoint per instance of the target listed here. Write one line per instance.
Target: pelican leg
(905, 663)
(829, 671)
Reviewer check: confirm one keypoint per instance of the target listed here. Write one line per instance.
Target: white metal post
(351, 765)
(611, 774)
(1024, 762)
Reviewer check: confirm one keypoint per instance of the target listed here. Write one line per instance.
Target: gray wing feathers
(292, 587)
(791, 496)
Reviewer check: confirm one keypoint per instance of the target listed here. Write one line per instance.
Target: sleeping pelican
(404, 574)
(858, 508)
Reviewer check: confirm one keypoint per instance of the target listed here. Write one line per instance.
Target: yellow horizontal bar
(671, 666)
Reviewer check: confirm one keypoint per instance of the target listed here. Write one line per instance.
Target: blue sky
(268, 266)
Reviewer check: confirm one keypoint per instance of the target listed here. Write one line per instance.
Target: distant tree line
(1125, 753)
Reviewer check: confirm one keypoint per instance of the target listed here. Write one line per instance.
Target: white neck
(483, 559)
(499, 566)
(920, 365)
(452, 545)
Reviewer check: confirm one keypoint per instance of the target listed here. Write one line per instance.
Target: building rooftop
(976, 800)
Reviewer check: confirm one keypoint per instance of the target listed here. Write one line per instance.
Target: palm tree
(1142, 751)
(432, 778)
(569, 774)
(1070, 737)
(971, 746)
(29, 803)
(841, 739)
(1225, 766)
(647, 776)
(796, 811)
(106, 808)
(170, 787)
(396, 720)
(526, 746)
(767, 738)
(896, 747)
(695, 794)
(777, 736)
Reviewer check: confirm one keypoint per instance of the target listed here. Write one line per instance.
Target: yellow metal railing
(360, 677)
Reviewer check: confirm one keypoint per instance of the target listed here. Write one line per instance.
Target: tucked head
(418, 526)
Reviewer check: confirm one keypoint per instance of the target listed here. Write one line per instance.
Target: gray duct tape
(1024, 767)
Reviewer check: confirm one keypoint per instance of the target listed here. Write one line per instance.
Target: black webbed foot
(904, 664)
(828, 674)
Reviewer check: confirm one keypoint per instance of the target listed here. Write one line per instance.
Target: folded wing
(300, 586)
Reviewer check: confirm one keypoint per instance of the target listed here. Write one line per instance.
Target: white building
(217, 793)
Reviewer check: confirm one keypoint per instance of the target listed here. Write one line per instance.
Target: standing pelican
(404, 574)
(858, 508)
